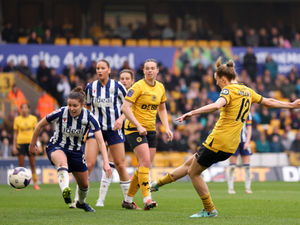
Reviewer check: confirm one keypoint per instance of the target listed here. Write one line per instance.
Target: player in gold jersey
(143, 101)
(24, 125)
(234, 104)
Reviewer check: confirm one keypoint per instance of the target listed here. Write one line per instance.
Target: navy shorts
(76, 159)
(135, 139)
(112, 137)
(241, 151)
(206, 157)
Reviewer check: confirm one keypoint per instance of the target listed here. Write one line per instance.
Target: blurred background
(49, 47)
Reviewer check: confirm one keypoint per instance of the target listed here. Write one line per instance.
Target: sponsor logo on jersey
(73, 132)
(149, 107)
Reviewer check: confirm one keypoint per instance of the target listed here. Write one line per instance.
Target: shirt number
(244, 108)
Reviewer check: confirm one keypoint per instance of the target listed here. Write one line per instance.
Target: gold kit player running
(143, 101)
(234, 104)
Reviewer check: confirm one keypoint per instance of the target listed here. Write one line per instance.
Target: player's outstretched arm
(273, 103)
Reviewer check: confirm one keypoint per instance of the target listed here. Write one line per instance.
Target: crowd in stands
(275, 35)
(274, 130)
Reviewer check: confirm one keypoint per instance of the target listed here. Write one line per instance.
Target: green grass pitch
(271, 203)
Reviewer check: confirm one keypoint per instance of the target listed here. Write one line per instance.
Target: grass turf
(271, 203)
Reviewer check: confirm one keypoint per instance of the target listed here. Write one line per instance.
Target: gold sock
(34, 178)
(165, 180)
(207, 203)
(134, 184)
(143, 175)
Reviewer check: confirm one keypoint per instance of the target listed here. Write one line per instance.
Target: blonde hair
(226, 69)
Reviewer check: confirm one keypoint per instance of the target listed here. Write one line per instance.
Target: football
(19, 177)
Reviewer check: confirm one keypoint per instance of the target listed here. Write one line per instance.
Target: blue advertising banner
(285, 58)
(59, 56)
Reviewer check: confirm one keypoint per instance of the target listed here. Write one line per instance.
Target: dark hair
(77, 93)
(151, 60)
(25, 103)
(226, 70)
(105, 61)
(127, 71)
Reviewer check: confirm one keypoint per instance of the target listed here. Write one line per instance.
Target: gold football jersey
(25, 127)
(226, 134)
(145, 99)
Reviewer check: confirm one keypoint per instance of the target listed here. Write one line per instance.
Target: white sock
(125, 186)
(104, 183)
(82, 195)
(150, 180)
(63, 178)
(76, 193)
(247, 176)
(230, 179)
(128, 199)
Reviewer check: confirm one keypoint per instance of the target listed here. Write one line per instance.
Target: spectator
(10, 66)
(52, 84)
(275, 145)
(287, 138)
(42, 75)
(33, 38)
(264, 39)
(271, 66)
(64, 89)
(296, 42)
(17, 96)
(296, 143)
(262, 144)
(9, 34)
(45, 105)
(287, 88)
(252, 38)
(179, 142)
(239, 38)
(5, 148)
(283, 42)
(48, 38)
(8, 122)
(162, 143)
(24, 69)
(250, 64)
(168, 32)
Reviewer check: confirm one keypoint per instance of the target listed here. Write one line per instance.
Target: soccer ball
(19, 177)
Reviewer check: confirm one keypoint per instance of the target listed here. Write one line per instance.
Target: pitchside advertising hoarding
(59, 57)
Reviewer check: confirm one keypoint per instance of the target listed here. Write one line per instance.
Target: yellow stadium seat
(178, 43)
(130, 42)
(214, 43)
(60, 41)
(190, 43)
(87, 41)
(39, 40)
(253, 146)
(202, 43)
(167, 43)
(226, 43)
(155, 43)
(177, 158)
(161, 160)
(104, 42)
(143, 42)
(22, 40)
(74, 41)
(116, 42)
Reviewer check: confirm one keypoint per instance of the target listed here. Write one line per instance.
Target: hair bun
(230, 63)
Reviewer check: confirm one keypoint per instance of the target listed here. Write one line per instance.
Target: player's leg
(21, 155)
(230, 175)
(33, 170)
(118, 154)
(105, 182)
(59, 159)
(246, 166)
(83, 189)
(176, 174)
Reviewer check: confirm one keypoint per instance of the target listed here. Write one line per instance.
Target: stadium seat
(226, 44)
(155, 43)
(39, 40)
(130, 42)
(87, 41)
(190, 43)
(177, 158)
(116, 42)
(178, 43)
(74, 41)
(104, 42)
(22, 40)
(167, 43)
(143, 42)
(60, 41)
(214, 43)
(202, 43)
(161, 159)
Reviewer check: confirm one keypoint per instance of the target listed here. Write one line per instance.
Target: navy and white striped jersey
(248, 122)
(69, 131)
(105, 101)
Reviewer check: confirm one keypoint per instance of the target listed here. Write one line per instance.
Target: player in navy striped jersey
(105, 97)
(65, 149)
(245, 151)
